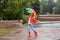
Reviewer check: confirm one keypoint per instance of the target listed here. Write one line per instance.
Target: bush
(25, 20)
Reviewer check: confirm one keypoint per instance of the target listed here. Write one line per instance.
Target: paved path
(44, 33)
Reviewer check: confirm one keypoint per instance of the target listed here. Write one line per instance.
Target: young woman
(31, 21)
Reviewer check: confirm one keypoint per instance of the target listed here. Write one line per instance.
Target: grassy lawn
(4, 31)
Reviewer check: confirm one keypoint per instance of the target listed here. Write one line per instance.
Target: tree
(44, 4)
(50, 6)
(36, 6)
(47, 6)
(13, 9)
(57, 7)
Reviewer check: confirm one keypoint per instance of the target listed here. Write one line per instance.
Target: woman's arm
(36, 20)
(27, 17)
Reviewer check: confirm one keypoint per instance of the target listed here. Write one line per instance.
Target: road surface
(46, 31)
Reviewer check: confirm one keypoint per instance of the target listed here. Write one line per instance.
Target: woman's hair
(32, 14)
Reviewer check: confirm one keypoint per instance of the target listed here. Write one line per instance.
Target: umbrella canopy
(31, 11)
(27, 8)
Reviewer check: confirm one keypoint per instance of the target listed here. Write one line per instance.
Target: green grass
(4, 31)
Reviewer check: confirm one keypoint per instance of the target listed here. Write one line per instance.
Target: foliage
(47, 6)
(57, 7)
(36, 6)
(14, 9)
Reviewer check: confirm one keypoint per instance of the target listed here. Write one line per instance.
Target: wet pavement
(46, 31)
(52, 24)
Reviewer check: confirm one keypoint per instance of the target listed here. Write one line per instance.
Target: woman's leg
(29, 30)
(32, 27)
(29, 27)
